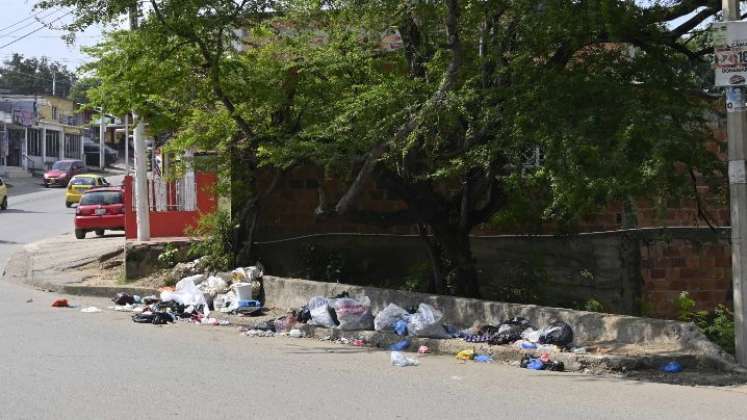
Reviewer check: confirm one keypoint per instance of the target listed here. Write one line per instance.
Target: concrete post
(25, 149)
(102, 133)
(736, 121)
(44, 147)
(141, 183)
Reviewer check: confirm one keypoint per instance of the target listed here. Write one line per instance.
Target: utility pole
(141, 181)
(127, 143)
(736, 123)
(54, 82)
(102, 133)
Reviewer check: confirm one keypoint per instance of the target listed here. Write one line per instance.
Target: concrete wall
(628, 272)
(551, 270)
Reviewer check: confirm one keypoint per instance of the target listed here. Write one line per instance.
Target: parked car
(99, 210)
(62, 171)
(3, 195)
(91, 147)
(80, 184)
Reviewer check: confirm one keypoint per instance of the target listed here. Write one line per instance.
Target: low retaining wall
(589, 327)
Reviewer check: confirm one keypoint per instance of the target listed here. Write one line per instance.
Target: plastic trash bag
(558, 333)
(187, 294)
(400, 327)
(507, 333)
(400, 345)
(400, 360)
(426, 322)
(123, 299)
(483, 358)
(530, 334)
(321, 312)
(468, 354)
(672, 367)
(389, 316)
(354, 314)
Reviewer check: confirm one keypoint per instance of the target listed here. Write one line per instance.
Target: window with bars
(53, 143)
(35, 142)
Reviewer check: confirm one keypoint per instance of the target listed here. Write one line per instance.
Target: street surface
(61, 363)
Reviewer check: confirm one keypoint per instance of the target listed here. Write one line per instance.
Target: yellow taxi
(3, 195)
(80, 184)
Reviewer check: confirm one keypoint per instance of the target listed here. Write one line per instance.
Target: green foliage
(169, 257)
(418, 278)
(33, 76)
(322, 264)
(593, 305)
(215, 234)
(717, 325)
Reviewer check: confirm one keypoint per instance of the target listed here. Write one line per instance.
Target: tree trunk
(462, 270)
(437, 284)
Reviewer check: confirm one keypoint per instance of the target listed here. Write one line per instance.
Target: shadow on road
(21, 211)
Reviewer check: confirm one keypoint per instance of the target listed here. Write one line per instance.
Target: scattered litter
(258, 333)
(155, 318)
(392, 318)
(358, 343)
(399, 359)
(483, 358)
(30, 300)
(423, 350)
(468, 354)
(90, 310)
(541, 363)
(531, 335)
(400, 345)
(322, 312)
(558, 333)
(528, 345)
(427, 322)
(296, 333)
(672, 367)
(579, 350)
(123, 299)
(354, 314)
(60, 303)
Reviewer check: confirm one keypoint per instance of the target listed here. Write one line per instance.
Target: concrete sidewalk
(63, 263)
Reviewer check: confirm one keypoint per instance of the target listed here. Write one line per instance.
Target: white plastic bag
(187, 294)
(427, 322)
(400, 360)
(354, 314)
(531, 335)
(388, 316)
(319, 309)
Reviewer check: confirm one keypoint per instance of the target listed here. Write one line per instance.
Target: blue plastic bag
(400, 327)
(399, 346)
(483, 358)
(672, 367)
(535, 364)
(528, 345)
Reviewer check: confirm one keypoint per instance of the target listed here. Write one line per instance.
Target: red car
(62, 171)
(99, 210)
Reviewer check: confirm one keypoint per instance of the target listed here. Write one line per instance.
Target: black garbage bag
(507, 333)
(488, 330)
(123, 299)
(558, 333)
(156, 318)
(304, 315)
(171, 306)
(517, 320)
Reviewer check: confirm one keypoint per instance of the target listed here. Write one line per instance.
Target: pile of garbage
(195, 296)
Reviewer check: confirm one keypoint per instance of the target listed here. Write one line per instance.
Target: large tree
(607, 94)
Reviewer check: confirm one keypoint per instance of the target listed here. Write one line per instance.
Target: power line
(29, 24)
(44, 26)
(22, 20)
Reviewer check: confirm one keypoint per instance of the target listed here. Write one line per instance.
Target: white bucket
(243, 291)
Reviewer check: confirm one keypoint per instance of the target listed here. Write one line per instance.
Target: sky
(45, 42)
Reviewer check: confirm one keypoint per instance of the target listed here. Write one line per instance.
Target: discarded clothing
(60, 303)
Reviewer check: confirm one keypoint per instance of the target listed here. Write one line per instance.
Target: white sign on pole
(730, 53)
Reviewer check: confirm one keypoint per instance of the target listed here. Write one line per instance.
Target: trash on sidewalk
(672, 367)
(60, 303)
(29, 300)
(541, 363)
(296, 333)
(123, 299)
(427, 322)
(91, 310)
(155, 318)
(558, 333)
(258, 333)
(400, 345)
(392, 318)
(400, 360)
(358, 342)
(423, 350)
(354, 314)
(465, 355)
(322, 312)
(483, 358)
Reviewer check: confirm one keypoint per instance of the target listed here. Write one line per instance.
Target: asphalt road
(61, 363)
